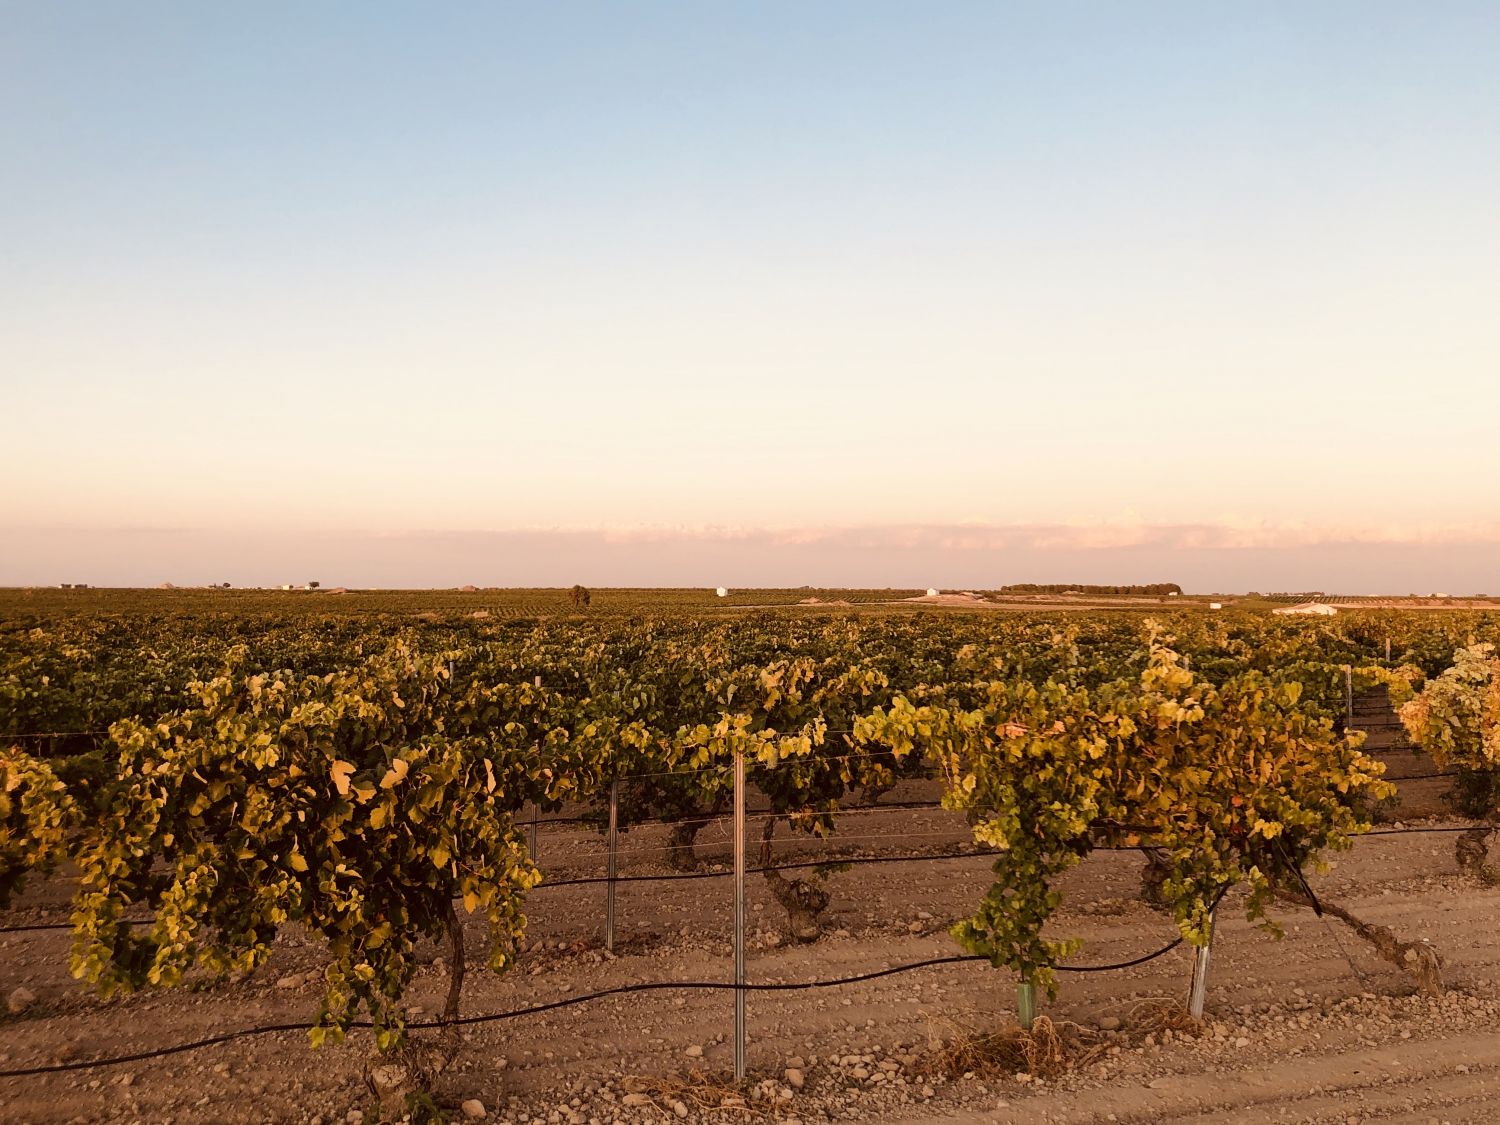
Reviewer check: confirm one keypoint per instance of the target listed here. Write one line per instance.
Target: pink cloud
(1225, 556)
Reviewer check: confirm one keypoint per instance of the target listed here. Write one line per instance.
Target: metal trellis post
(609, 893)
(739, 916)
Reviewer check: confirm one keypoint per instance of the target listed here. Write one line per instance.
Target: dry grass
(1046, 1051)
(1156, 1014)
(699, 1091)
(1051, 1048)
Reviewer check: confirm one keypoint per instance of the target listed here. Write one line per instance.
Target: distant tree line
(1157, 588)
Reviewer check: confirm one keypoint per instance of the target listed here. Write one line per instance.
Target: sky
(844, 293)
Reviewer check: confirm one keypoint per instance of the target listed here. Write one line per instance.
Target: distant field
(540, 602)
(22, 603)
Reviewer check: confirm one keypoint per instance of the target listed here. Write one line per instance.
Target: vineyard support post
(609, 891)
(1388, 650)
(739, 916)
(1198, 990)
(536, 809)
(1026, 1004)
(1348, 697)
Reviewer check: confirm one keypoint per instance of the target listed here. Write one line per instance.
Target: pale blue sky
(376, 269)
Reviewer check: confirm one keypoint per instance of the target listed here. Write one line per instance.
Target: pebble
(473, 1109)
(793, 1077)
(695, 1051)
(19, 1000)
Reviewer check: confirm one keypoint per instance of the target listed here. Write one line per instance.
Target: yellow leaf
(341, 772)
(394, 775)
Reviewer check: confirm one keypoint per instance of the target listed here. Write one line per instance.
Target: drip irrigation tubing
(708, 816)
(801, 865)
(571, 1001)
(57, 734)
(851, 861)
(599, 880)
(1417, 830)
(1421, 777)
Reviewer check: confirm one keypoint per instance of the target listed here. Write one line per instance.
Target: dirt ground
(1313, 1028)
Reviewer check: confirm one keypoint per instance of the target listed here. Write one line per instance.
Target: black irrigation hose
(650, 986)
(1141, 960)
(160, 1052)
(1132, 963)
(1405, 831)
(1421, 777)
(851, 861)
(591, 880)
(855, 861)
(571, 1001)
(1317, 907)
(33, 929)
(57, 734)
(535, 1009)
(708, 817)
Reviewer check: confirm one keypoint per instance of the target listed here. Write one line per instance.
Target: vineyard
(469, 831)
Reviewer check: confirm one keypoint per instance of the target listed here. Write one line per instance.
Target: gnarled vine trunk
(456, 964)
(680, 840)
(802, 901)
(1471, 850)
(1153, 876)
(401, 1080)
(1417, 959)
